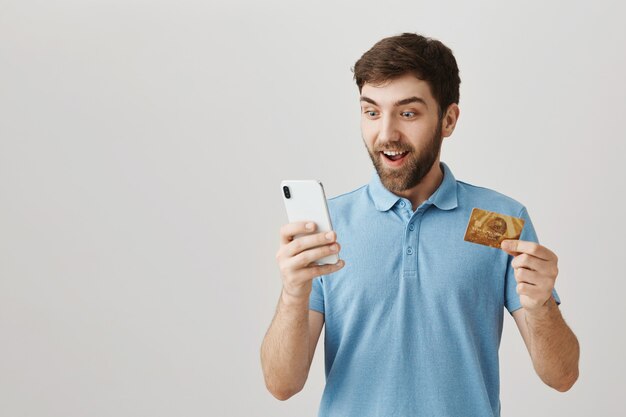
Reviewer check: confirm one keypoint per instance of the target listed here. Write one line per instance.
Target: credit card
(490, 228)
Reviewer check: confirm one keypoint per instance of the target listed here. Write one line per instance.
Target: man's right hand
(296, 258)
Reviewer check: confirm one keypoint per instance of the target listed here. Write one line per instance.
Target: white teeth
(392, 153)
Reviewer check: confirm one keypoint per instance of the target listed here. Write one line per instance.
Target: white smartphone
(305, 200)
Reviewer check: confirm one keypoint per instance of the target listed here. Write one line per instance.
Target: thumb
(508, 245)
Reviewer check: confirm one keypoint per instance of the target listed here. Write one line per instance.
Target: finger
(523, 275)
(289, 230)
(309, 256)
(515, 247)
(527, 261)
(307, 242)
(547, 269)
(533, 278)
(532, 291)
(317, 270)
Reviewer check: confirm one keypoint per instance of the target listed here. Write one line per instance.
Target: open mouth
(395, 158)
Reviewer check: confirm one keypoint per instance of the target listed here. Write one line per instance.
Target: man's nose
(388, 130)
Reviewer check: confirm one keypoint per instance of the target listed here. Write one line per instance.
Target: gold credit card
(490, 228)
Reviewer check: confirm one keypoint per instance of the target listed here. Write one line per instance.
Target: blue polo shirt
(413, 321)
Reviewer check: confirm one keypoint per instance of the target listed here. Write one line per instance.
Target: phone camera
(286, 192)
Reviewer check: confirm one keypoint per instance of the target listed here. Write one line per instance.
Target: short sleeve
(511, 298)
(316, 299)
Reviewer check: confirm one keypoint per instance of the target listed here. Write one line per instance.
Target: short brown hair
(428, 59)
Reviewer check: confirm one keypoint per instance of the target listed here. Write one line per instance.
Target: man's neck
(420, 193)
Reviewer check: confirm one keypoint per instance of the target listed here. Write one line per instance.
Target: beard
(414, 168)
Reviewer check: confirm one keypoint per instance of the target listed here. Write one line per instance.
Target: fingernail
(333, 248)
(309, 226)
(329, 236)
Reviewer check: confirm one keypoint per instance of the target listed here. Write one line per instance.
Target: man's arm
(552, 345)
(289, 345)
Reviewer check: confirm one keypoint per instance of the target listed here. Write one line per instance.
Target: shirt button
(409, 251)
(401, 203)
(411, 227)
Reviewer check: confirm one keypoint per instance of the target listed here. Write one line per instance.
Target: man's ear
(449, 119)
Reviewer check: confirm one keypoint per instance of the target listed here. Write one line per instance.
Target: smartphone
(305, 200)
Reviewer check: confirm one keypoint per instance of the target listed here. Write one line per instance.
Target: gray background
(141, 148)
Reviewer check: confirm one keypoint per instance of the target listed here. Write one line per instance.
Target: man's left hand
(535, 268)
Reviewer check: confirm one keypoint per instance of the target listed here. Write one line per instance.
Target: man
(413, 312)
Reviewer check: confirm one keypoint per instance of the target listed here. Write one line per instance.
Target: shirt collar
(444, 197)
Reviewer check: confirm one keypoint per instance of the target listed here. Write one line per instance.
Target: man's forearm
(285, 349)
(553, 346)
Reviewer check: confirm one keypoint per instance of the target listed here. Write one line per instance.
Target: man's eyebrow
(402, 102)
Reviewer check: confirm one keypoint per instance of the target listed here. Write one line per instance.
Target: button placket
(412, 241)
(410, 246)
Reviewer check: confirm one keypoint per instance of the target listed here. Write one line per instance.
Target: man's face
(401, 115)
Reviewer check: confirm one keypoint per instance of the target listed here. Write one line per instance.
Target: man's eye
(371, 113)
(408, 114)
